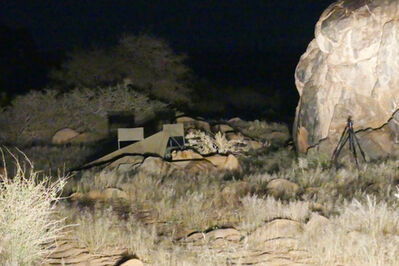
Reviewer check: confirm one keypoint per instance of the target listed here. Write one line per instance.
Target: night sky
(232, 43)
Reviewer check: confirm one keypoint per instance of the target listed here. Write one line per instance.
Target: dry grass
(363, 234)
(360, 203)
(28, 225)
(256, 211)
(103, 230)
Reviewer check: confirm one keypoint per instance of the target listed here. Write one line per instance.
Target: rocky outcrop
(68, 135)
(126, 163)
(187, 162)
(351, 69)
(69, 252)
(227, 235)
(193, 123)
(317, 224)
(199, 167)
(273, 243)
(185, 155)
(279, 228)
(225, 163)
(265, 133)
(156, 166)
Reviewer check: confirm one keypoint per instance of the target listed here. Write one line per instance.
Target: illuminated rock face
(351, 68)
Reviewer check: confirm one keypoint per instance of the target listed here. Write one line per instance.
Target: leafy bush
(28, 227)
(146, 62)
(36, 116)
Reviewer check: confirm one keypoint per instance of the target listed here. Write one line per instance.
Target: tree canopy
(147, 63)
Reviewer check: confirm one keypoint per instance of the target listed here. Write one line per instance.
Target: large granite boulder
(351, 68)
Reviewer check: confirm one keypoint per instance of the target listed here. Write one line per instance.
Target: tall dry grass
(359, 203)
(29, 226)
(365, 233)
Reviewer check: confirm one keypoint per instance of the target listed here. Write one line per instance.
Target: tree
(147, 63)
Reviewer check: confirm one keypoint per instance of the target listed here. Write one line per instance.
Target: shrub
(256, 211)
(28, 227)
(147, 62)
(36, 116)
(206, 143)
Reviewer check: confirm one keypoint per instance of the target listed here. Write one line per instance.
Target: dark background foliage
(245, 50)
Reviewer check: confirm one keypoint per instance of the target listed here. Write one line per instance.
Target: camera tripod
(348, 134)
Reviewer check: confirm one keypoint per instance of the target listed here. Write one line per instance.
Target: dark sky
(187, 24)
(234, 43)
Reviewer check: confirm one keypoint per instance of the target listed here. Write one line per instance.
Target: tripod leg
(360, 148)
(353, 148)
(339, 149)
(350, 141)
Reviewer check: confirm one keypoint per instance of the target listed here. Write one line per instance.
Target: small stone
(64, 136)
(76, 196)
(316, 224)
(94, 195)
(115, 194)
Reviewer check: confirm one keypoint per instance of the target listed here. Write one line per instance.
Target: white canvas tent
(158, 144)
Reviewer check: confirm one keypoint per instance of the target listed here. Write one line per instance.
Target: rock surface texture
(351, 68)
(64, 135)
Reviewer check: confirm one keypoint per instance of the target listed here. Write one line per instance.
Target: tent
(161, 143)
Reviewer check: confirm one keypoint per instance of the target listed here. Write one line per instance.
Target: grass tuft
(29, 226)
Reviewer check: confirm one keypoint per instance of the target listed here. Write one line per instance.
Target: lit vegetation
(36, 117)
(359, 203)
(29, 226)
(145, 62)
(150, 215)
